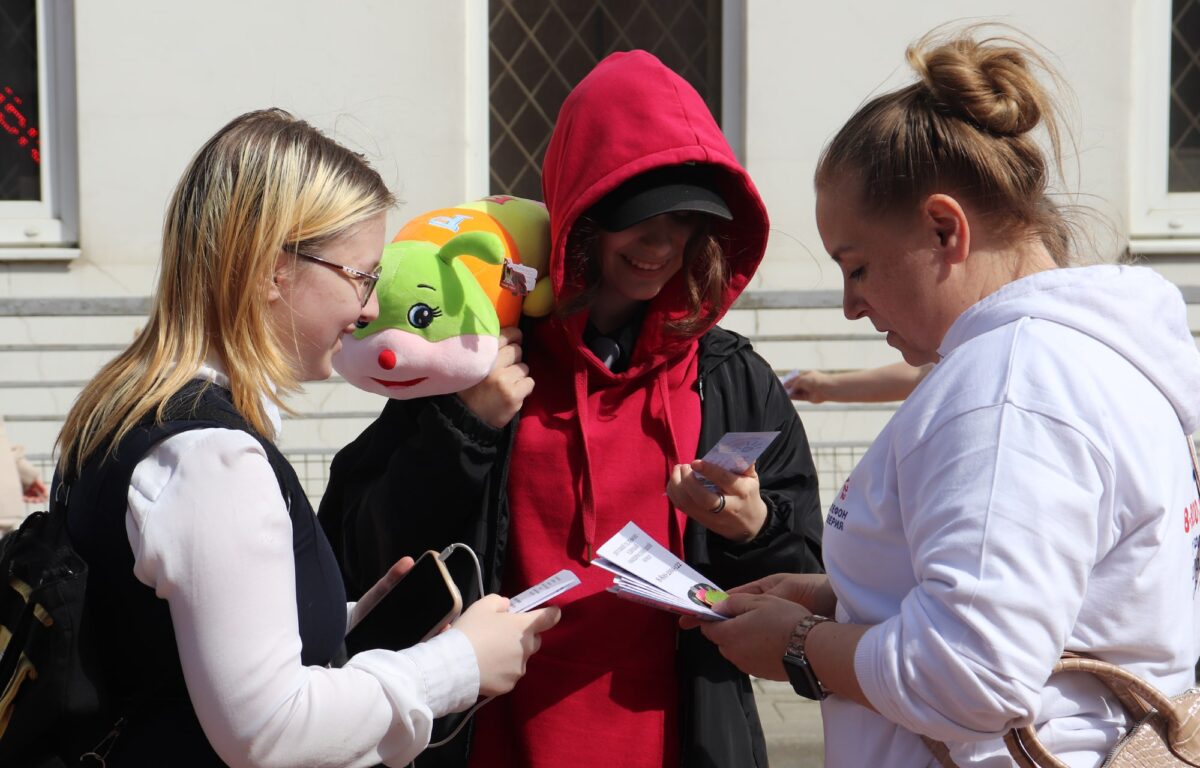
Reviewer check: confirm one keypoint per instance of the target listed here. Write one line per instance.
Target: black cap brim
(665, 190)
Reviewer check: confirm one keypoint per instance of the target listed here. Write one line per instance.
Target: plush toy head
(523, 225)
(441, 305)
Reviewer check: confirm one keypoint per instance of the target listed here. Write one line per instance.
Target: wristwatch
(795, 661)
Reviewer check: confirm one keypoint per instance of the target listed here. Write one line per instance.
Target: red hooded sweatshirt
(594, 449)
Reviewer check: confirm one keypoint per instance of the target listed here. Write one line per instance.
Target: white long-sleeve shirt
(1031, 496)
(211, 534)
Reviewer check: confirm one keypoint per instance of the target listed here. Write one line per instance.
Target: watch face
(802, 678)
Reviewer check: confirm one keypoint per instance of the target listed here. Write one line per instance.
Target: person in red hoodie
(656, 229)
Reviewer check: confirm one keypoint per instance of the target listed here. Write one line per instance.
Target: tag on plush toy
(517, 279)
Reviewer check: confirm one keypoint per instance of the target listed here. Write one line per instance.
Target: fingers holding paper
(757, 635)
(503, 641)
(729, 505)
(812, 590)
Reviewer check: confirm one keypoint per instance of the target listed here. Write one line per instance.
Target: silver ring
(720, 506)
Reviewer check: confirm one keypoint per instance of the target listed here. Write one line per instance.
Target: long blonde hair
(265, 181)
(965, 127)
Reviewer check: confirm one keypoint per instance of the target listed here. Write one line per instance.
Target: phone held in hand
(419, 606)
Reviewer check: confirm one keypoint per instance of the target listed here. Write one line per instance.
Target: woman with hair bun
(1035, 494)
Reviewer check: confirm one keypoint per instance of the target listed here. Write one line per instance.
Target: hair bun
(988, 85)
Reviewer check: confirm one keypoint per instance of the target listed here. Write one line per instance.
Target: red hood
(600, 140)
(629, 115)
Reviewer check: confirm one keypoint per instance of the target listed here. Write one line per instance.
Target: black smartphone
(415, 609)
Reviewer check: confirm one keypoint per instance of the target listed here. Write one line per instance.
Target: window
(37, 138)
(539, 50)
(1166, 160)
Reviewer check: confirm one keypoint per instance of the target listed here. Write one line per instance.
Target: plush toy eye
(421, 315)
(360, 324)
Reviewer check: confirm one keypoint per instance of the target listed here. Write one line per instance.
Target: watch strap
(800, 632)
(795, 660)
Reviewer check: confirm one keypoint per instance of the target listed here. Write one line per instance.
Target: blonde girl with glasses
(214, 597)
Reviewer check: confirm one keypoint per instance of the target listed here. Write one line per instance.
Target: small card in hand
(540, 593)
(736, 452)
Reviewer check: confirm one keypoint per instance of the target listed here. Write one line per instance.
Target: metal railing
(834, 461)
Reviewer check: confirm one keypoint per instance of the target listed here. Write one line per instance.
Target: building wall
(404, 82)
(400, 81)
(156, 79)
(809, 66)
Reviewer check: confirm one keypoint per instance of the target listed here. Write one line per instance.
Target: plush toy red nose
(387, 359)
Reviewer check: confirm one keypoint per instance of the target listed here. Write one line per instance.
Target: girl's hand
(497, 398)
(737, 512)
(373, 595)
(503, 641)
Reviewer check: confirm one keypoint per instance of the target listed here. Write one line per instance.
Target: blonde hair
(265, 181)
(966, 128)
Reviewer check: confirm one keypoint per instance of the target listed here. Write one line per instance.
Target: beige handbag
(1166, 731)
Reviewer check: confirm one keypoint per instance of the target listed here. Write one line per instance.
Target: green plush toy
(441, 300)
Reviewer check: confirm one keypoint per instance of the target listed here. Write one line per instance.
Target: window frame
(48, 229)
(1155, 213)
(478, 133)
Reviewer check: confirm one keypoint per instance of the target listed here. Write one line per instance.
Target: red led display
(14, 123)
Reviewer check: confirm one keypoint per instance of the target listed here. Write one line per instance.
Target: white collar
(212, 370)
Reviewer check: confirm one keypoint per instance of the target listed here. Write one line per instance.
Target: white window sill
(8, 254)
(1165, 246)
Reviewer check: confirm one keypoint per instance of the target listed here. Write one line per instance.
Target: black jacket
(427, 473)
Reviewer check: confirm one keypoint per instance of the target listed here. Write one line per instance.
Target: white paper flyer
(646, 572)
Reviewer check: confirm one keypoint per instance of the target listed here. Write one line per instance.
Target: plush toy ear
(539, 302)
(484, 246)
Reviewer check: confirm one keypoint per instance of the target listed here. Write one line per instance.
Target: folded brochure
(646, 572)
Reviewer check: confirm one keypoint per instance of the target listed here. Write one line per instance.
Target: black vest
(132, 626)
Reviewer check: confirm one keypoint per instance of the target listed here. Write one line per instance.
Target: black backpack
(53, 697)
(49, 681)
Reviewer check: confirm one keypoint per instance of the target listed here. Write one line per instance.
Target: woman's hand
(812, 386)
(35, 493)
(503, 641)
(497, 398)
(373, 595)
(812, 590)
(757, 634)
(737, 512)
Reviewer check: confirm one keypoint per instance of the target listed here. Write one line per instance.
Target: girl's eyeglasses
(364, 281)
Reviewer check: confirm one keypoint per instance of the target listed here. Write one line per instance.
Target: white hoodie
(1034, 494)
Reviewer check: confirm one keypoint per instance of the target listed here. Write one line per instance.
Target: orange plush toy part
(523, 226)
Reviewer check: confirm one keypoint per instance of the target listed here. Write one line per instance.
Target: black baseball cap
(662, 190)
